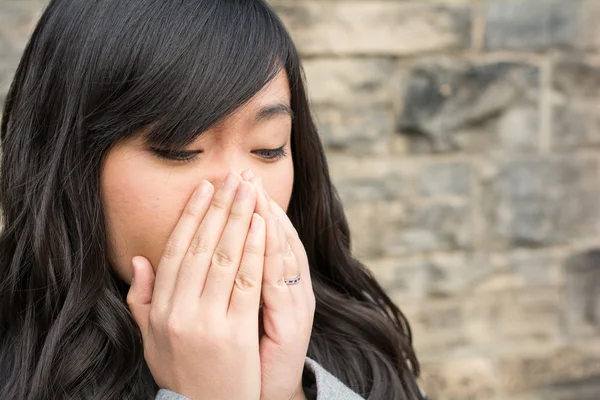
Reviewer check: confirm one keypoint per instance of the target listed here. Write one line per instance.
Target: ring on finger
(293, 281)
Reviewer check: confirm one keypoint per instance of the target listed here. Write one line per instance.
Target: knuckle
(199, 245)
(219, 204)
(172, 249)
(236, 214)
(222, 258)
(191, 211)
(253, 248)
(175, 326)
(245, 281)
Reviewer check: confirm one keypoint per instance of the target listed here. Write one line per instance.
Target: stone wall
(464, 139)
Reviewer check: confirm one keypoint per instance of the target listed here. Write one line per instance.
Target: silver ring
(294, 281)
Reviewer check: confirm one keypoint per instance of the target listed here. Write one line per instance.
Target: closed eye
(180, 156)
(271, 154)
(175, 155)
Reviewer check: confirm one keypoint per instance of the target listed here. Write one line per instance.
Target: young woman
(170, 142)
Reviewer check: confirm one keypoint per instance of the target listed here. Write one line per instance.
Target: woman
(123, 121)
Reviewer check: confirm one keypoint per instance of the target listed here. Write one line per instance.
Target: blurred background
(464, 139)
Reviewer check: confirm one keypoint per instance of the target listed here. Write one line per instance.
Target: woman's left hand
(288, 309)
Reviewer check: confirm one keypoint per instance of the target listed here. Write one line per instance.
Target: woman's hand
(288, 310)
(199, 317)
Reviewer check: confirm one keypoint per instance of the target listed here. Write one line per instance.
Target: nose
(219, 164)
(216, 178)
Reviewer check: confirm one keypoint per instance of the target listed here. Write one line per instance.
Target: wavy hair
(95, 72)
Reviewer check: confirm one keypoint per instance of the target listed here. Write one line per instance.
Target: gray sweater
(327, 387)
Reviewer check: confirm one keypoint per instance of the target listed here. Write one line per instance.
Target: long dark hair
(95, 72)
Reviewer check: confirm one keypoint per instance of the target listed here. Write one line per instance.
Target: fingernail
(256, 223)
(243, 191)
(231, 182)
(248, 175)
(261, 186)
(202, 190)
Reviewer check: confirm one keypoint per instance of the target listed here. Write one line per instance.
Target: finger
(290, 266)
(195, 264)
(263, 207)
(275, 293)
(228, 254)
(139, 297)
(296, 246)
(245, 297)
(178, 243)
(247, 175)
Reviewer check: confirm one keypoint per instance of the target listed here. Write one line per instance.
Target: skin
(207, 248)
(143, 196)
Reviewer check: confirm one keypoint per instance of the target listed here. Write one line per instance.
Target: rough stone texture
(446, 179)
(542, 202)
(590, 29)
(356, 130)
(575, 125)
(324, 28)
(463, 138)
(351, 80)
(17, 20)
(566, 363)
(460, 106)
(429, 227)
(370, 179)
(575, 76)
(582, 273)
(460, 379)
(531, 24)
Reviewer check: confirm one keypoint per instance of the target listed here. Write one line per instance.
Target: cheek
(278, 183)
(140, 213)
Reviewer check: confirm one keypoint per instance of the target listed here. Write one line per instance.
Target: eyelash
(184, 157)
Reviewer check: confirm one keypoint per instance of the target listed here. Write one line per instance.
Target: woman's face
(143, 195)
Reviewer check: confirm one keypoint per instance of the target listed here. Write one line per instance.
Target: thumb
(139, 296)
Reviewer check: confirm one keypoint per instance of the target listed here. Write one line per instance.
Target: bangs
(182, 69)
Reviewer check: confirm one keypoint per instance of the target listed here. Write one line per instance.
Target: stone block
(430, 227)
(575, 76)
(355, 130)
(17, 21)
(575, 125)
(368, 222)
(376, 27)
(582, 293)
(569, 363)
(590, 29)
(438, 329)
(470, 378)
(541, 202)
(374, 179)
(531, 25)
(446, 179)
(451, 105)
(352, 80)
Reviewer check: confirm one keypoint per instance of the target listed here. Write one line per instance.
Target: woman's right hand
(199, 315)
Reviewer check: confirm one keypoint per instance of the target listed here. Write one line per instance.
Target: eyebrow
(274, 111)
